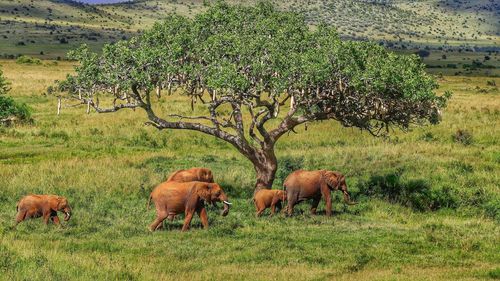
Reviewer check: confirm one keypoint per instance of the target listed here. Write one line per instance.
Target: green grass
(107, 164)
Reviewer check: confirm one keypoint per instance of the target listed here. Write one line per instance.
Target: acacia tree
(248, 66)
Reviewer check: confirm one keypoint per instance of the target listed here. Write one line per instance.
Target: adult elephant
(193, 174)
(46, 206)
(172, 198)
(303, 185)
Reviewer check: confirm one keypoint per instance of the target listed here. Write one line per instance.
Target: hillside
(464, 36)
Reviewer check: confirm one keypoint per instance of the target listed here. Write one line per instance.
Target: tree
(258, 73)
(11, 111)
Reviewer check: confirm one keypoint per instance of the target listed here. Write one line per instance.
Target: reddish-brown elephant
(172, 198)
(193, 174)
(46, 206)
(265, 198)
(303, 185)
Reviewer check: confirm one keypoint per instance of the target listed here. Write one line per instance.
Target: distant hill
(51, 27)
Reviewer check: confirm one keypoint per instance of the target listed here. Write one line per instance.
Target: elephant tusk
(225, 202)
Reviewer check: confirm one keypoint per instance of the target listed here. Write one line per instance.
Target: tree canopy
(263, 64)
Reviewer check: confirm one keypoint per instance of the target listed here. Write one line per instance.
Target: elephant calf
(303, 185)
(46, 206)
(172, 198)
(266, 198)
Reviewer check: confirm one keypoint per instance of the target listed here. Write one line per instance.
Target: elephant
(46, 206)
(302, 185)
(265, 198)
(193, 174)
(172, 198)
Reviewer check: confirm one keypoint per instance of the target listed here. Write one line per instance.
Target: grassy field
(107, 165)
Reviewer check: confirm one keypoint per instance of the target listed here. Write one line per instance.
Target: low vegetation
(427, 205)
(10, 110)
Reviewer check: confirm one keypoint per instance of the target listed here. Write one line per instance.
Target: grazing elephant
(193, 174)
(172, 198)
(46, 206)
(265, 198)
(302, 185)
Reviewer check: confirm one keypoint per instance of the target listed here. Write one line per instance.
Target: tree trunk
(265, 165)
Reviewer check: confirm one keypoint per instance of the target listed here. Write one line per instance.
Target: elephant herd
(187, 191)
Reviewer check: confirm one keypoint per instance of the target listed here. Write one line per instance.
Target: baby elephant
(266, 198)
(46, 206)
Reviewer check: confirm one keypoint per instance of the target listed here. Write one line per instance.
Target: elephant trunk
(67, 214)
(347, 199)
(226, 203)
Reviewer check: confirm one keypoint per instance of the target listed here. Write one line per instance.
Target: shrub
(463, 136)
(428, 136)
(28, 60)
(286, 165)
(415, 194)
(10, 110)
(492, 209)
(423, 53)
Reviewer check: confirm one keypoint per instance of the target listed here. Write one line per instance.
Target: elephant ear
(54, 203)
(203, 190)
(333, 179)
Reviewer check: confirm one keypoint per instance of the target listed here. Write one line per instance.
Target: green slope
(53, 27)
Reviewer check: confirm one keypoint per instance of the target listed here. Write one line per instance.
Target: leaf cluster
(260, 57)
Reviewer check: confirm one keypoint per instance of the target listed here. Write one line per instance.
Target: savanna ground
(428, 205)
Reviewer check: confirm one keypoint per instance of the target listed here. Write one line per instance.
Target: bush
(463, 136)
(492, 209)
(423, 53)
(28, 60)
(415, 194)
(11, 111)
(286, 165)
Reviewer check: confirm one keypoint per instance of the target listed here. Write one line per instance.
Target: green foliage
(248, 54)
(416, 194)
(10, 109)
(286, 165)
(28, 60)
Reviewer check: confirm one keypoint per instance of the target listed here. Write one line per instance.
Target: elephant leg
(289, 207)
(46, 217)
(202, 213)
(55, 220)
(276, 202)
(159, 219)
(328, 201)
(259, 212)
(187, 221)
(21, 215)
(273, 210)
(314, 204)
